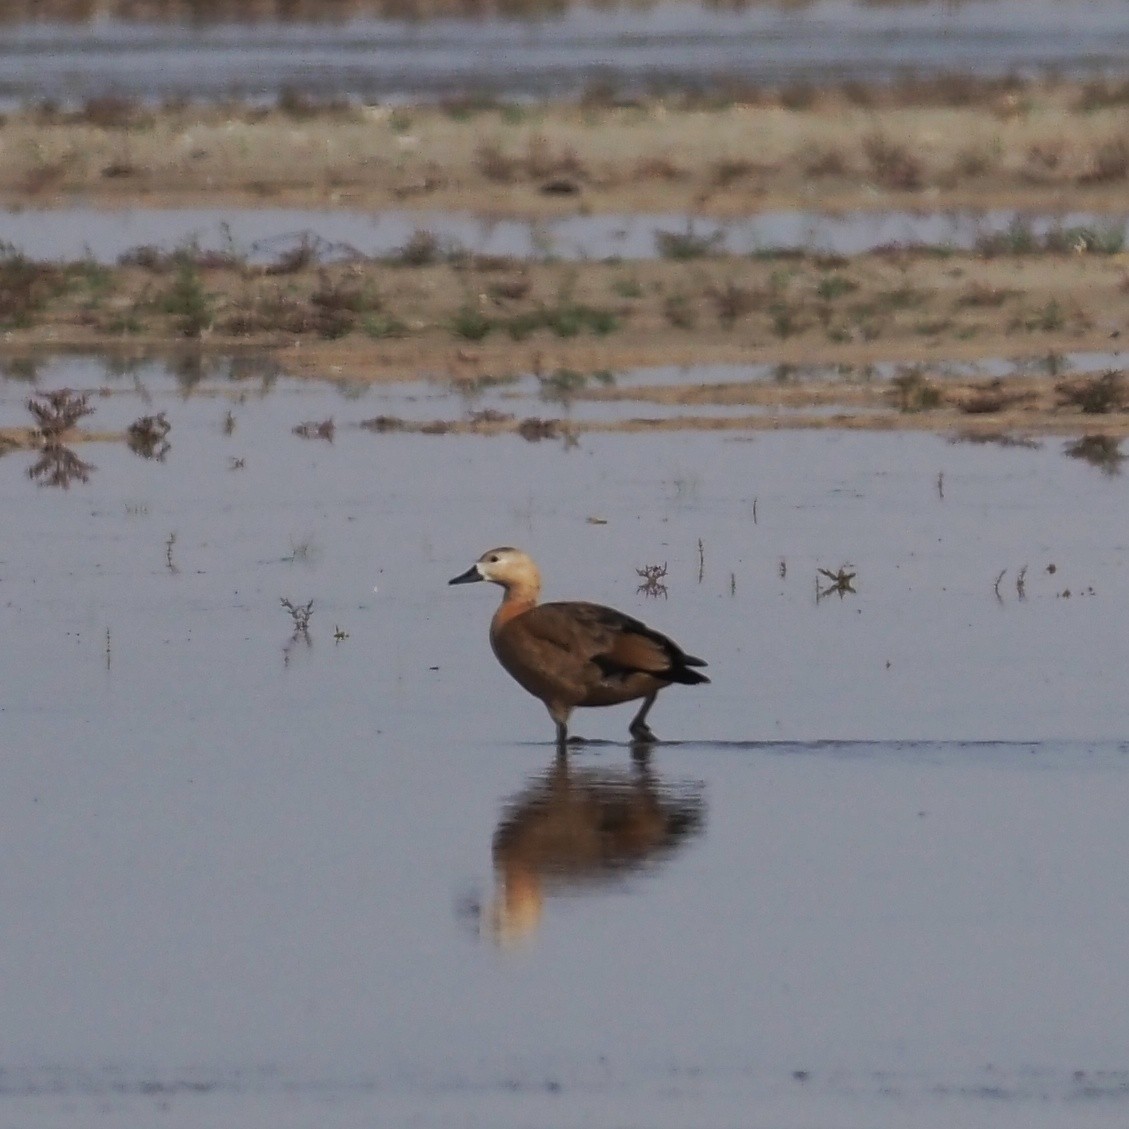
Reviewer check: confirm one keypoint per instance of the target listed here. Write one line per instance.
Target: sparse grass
(628, 287)
(422, 249)
(834, 286)
(381, 326)
(1050, 318)
(26, 287)
(540, 162)
(562, 385)
(903, 297)
(679, 311)
(1108, 164)
(786, 320)
(1102, 94)
(1019, 238)
(983, 295)
(187, 301)
(1096, 396)
(470, 323)
(726, 171)
(356, 296)
(662, 168)
(975, 161)
(115, 112)
(914, 392)
(825, 162)
(1101, 240)
(495, 164)
(732, 301)
(566, 318)
(892, 165)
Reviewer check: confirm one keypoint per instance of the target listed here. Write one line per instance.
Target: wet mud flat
(1021, 335)
(956, 142)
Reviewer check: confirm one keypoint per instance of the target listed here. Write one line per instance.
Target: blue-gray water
(254, 880)
(669, 46)
(263, 235)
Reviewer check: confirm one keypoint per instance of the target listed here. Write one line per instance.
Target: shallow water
(876, 876)
(669, 45)
(263, 235)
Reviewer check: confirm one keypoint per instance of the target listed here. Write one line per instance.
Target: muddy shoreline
(433, 313)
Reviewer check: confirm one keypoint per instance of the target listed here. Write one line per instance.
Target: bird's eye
(492, 559)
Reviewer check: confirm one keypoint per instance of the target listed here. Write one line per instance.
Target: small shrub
(57, 412)
(1097, 396)
(732, 301)
(470, 323)
(188, 301)
(423, 249)
(679, 311)
(892, 164)
(495, 164)
(914, 393)
(834, 286)
(1109, 163)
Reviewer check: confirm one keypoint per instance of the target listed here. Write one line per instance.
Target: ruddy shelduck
(573, 653)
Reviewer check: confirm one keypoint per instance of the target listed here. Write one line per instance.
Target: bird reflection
(572, 830)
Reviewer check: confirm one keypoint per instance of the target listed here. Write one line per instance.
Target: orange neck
(517, 600)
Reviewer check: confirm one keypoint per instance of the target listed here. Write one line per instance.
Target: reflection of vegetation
(23, 369)
(574, 829)
(1102, 451)
(315, 429)
(688, 244)
(653, 580)
(300, 615)
(841, 583)
(147, 437)
(59, 466)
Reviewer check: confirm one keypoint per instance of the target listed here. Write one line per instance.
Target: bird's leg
(562, 737)
(639, 728)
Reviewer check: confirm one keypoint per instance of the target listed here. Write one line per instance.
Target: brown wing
(616, 643)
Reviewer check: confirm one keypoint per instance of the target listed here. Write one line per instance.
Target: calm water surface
(262, 235)
(875, 878)
(664, 46)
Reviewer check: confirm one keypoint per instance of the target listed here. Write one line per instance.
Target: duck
(574, 653)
